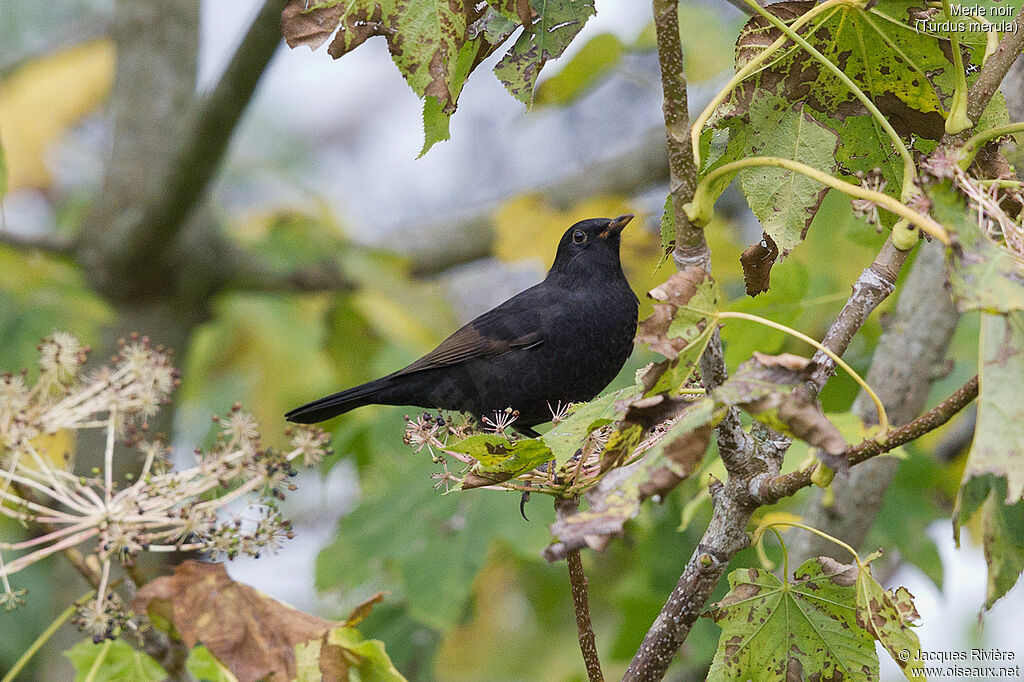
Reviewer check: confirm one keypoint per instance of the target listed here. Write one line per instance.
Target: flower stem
(42, 639)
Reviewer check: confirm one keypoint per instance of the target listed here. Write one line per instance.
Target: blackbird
(560, 341)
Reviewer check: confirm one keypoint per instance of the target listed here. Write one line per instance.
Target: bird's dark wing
(513, 325)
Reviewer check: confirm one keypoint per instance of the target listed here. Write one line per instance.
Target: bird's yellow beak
(616, 226)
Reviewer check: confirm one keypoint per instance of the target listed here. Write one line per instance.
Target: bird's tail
(338, 403)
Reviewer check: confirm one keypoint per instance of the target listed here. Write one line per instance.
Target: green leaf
(888, 616)
(776, 630)
(982, 275)
(618, 495)
(121, 662)
(498, 458)
(993, 478)
(425, 547)
(373, 664)
(785, 201)
(559, 22)
(567, 436)
(904, 71)
(595, 59)
(668, 229)
(205, 667)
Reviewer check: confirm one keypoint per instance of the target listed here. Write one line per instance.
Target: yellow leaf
(40, 100)
(527, 227)
(56, 449)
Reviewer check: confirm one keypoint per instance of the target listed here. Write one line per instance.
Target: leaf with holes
(888, 616)
(546, 38)
(775, 630)
(679, 328)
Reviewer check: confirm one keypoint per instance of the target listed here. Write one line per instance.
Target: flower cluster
(987, 198)
(226, 503)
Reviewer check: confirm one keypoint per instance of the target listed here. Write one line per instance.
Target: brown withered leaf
(253, 635)
(426, 48)
(360, 612)
(764, 387)
(757, 261)
(669, 330)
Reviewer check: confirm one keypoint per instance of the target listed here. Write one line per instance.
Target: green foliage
(119, 662)
(784, 201)
(39, 294)
(888, 616)
(203, 666)
(559, 22)
(792, 629)
(565, 437)
(424, 546)
(373, 663)
(993, 480)
(595, 59)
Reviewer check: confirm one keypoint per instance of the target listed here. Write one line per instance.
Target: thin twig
(48, 243)
(995, 69)
(788, 484)
(198, 157)
(565, 507)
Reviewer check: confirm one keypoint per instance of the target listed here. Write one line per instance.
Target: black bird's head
(590, 246)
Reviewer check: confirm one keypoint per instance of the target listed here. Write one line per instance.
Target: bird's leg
(522, 504)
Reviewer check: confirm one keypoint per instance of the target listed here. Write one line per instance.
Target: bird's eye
(579, 236)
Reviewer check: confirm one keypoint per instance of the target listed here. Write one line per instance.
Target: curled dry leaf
(679, 328)
(757, 261)
(253, 635)
(764, 387)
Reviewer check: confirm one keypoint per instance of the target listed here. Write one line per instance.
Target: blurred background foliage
(469, 596)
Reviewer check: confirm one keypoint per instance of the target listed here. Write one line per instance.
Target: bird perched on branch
(560, 341)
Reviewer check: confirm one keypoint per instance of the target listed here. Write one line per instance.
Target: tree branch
(152, 228)
(691, 247)
(248, 272)
(995, 69)
(565, 507)
(872, 287)
(785, 485)
(52, 244)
